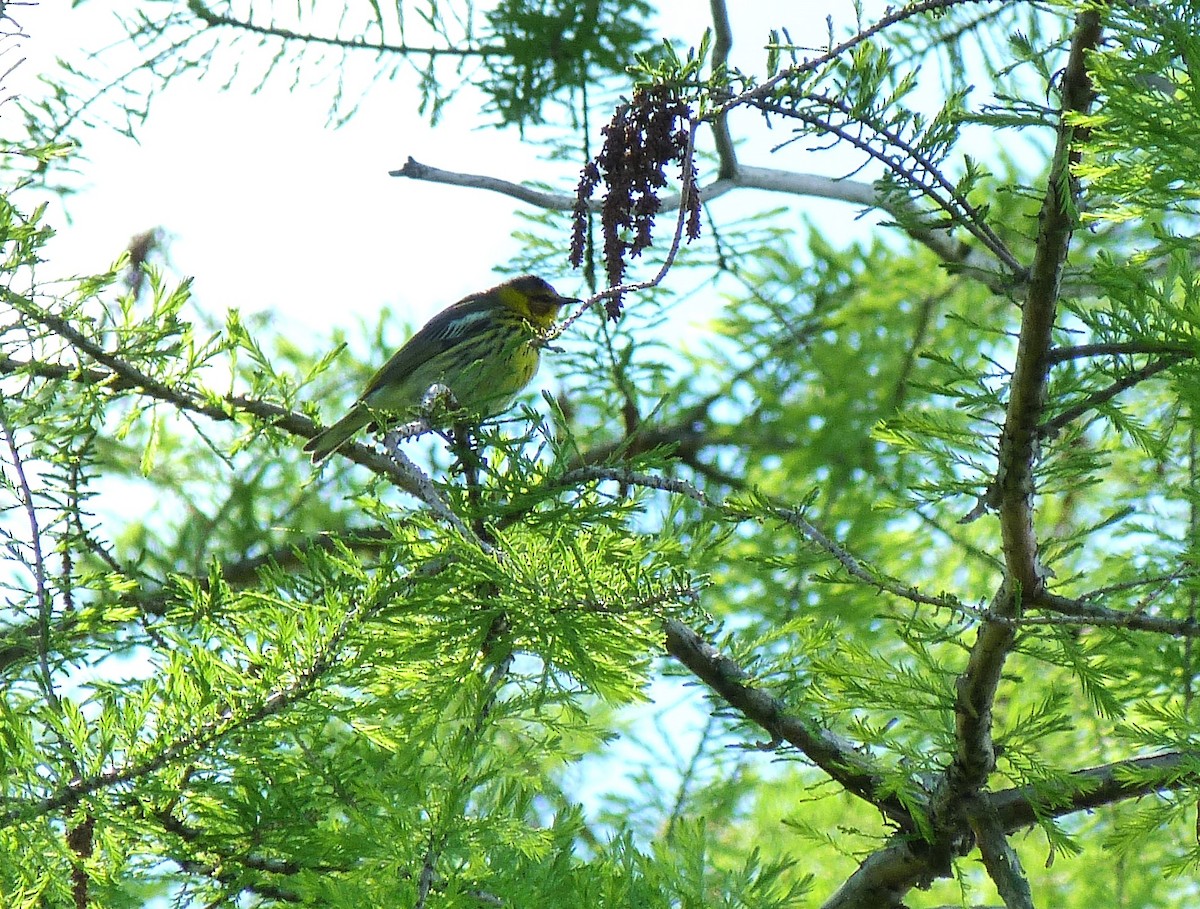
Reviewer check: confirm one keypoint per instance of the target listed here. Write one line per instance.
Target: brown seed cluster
(643, 136)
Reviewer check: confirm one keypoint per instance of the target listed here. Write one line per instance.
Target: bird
(484, 348)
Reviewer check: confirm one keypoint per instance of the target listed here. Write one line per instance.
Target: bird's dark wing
(437, 336)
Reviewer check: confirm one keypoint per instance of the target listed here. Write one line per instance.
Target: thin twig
(1095, 787)
(1052, 427)
(1086, 614)
(788, 514)
(768, 87)
(722, 45)
(937, 188)
(1118, 349)
(45, 606)
(421, 485)
(124, 376)
(216, 20)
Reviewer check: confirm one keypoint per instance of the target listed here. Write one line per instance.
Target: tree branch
(913, 166)
(1052, 427)
(726, 153)
(1013, 489)
(1116, 618)
(687, 436)
(765, 178)
(886, 875)
(229, 859)
(216, 20)
(789, 515)
(768, 87)
(834, 755)
(126, 377)
(1096, 787)
(999, 858)
(965, 259)
(883, 877)
(1118, 349)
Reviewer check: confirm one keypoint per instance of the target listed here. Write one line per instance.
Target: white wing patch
(463, 324)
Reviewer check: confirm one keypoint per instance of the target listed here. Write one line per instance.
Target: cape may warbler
(482, 348)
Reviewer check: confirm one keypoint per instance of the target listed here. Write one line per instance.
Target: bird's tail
(334, 437)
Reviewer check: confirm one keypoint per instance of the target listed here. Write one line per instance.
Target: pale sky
(268, 207)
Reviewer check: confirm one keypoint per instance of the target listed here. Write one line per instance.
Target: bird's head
(533, 299)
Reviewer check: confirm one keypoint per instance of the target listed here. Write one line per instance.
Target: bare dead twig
(966, 260)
